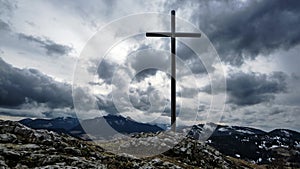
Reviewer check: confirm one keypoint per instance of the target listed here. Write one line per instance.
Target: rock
(10, 154)
(2, 164)
(46, 149)
(23, 131)
(73, 151)
(20, 166)
(29, 147)
(7, 138)
(52, 159)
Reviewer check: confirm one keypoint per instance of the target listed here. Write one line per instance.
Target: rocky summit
(276, 148)
(23, 147)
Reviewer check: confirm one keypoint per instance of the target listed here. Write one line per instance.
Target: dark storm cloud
(18, 86)
(140, 98)
(187, 92)
(51, 47)
(260, 28)
(106, 104)
(140, 76)
(253, 88)
(106, 70)
(12, 39)
(242, 30)
(38, 112)
(276, 111)
(4, 26)
(190, 59)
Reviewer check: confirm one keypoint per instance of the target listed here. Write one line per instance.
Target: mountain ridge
(250, 144)
(23, 147)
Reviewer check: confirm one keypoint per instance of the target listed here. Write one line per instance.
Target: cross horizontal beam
(176, 34)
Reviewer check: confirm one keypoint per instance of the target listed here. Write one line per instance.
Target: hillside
(23, 147)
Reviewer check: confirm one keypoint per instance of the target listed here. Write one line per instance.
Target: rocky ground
(23, 147)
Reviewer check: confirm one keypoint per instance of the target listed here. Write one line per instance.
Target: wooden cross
(173, 34)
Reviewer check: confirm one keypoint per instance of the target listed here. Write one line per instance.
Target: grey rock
(46, 149)
(72, 150)
(29, 147)
(7, 138)
(3, 164)
(52, 159)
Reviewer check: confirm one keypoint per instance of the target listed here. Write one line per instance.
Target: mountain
(60, 124)
(250, 144)
(257, 146)
(72, 126)
(23, 147)
(119, 123)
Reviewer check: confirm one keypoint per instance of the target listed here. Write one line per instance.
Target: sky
(258, 44)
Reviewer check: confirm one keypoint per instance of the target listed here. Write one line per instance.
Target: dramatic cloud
(51, 47)
(105, 71)
(149, 92)
(253, 88)
(4, 26)
(35, 110)
(242, 31)
(30, 42)
(264, 116)
(18, 86)
(105, 103)
(259, 28)
(6, 7)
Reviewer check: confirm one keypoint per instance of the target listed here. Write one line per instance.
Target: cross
(173, 34)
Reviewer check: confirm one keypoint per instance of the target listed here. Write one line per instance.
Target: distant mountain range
(60, 125)
(72, 126)
(252, 144)
(246, 143)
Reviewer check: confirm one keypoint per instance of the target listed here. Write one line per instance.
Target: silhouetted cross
(173, 36)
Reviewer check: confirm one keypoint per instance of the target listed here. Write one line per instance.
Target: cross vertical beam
(173, 72)
(173, 34)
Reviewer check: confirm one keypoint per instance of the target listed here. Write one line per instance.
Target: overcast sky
(258, 43)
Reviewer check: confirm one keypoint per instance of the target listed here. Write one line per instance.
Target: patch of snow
(259, 160)
(245, 140)
(245, 131)
(263, 144)
(208, 141)
(182, 149)
(119, 122)
(274, 146)
(286, 133)
(222, 129)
